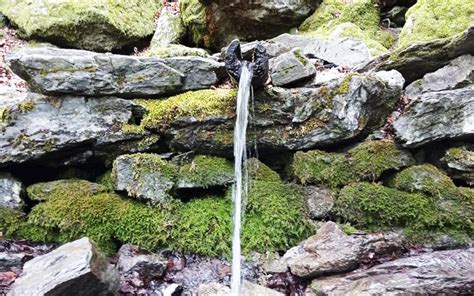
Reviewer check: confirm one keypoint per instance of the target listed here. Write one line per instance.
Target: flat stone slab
(79, 72)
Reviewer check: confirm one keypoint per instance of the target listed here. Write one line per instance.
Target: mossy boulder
(205, 171)
(459, 162)
(144, 176)
(367, 161)
(376, 207)
(355, 19)
(169, 30)
(258, 171)
(274, 220)
(93, 25)
(176, 50)
(434, 19)
(63, 188)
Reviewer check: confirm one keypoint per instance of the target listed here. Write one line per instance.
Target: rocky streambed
(116, 158)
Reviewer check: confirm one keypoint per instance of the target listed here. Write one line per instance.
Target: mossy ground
(434, 19)
(367, 161)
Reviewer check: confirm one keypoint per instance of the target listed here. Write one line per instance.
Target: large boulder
(441, 107)
(421, 58)
(11, 192)
(434, 19)
(69, 129)
(213, 23)
(79, 72)
(76, 268)
(290, 119)
(93, 25)
(443, 272)
(332, 251)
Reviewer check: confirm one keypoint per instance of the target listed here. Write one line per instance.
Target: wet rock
(99, 25)
(248, 289)
(319, 202)
(459, 162)
(14, 253)
(76, 268)
(332, 251)
(291, 67)
(395, 16)
(169, 30)
(67, 130)
(294, 119)
(11, 192)
(213, 24)
(437, 115)
(79, 72)
(443, 272)
(424, 57)
(144, 176)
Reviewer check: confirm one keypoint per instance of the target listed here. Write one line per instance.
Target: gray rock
(291, 67)
(318, 201)
(144, 176)
(76, 268)
(79, 72)
(248, 289)
(438, 115)
(332, 251)
(9, 260)
(457, 74)
(424, 57)
(299, 118)
(438, 273)
(247, 20)
(67, 130)
(169, 30)
(11, 192)
(344, 52)
(459, 163)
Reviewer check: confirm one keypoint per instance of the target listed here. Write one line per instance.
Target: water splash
(239, 189)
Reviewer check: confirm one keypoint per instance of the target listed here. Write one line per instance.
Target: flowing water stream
(240, 185)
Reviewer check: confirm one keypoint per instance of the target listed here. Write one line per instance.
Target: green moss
(63, 188)
(106, 180)
(459, 154)
(363, 13)
(434, 19)
(194, 17)
(370, 159)
(319, 167)
(204, 171)
(376, 207)
(26, 106)
(10, 221)
(258, 171)
(345, 84)
(349, 229)
(114, 22)
(300, 57)
(426, 179)
(5, 114)
(133, 129)
(367, 161)
(198, 104)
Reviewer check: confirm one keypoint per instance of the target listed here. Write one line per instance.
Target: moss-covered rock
(195, 104)
(106, 180)
(169, 30)
(376, 207)
(205, 171)
(10, 221)
(459, 162)
(434, 19)
(193, 15)
(258, 171)
(145, 176)
(367, 161)
(426, 179)
(94, 25)
(356, 19)
(63, 188)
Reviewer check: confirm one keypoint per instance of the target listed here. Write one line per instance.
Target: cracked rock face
(442, 105)
(444, 272)
(79, 72)
(36, 127)
(299, 118)
(332, 251)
